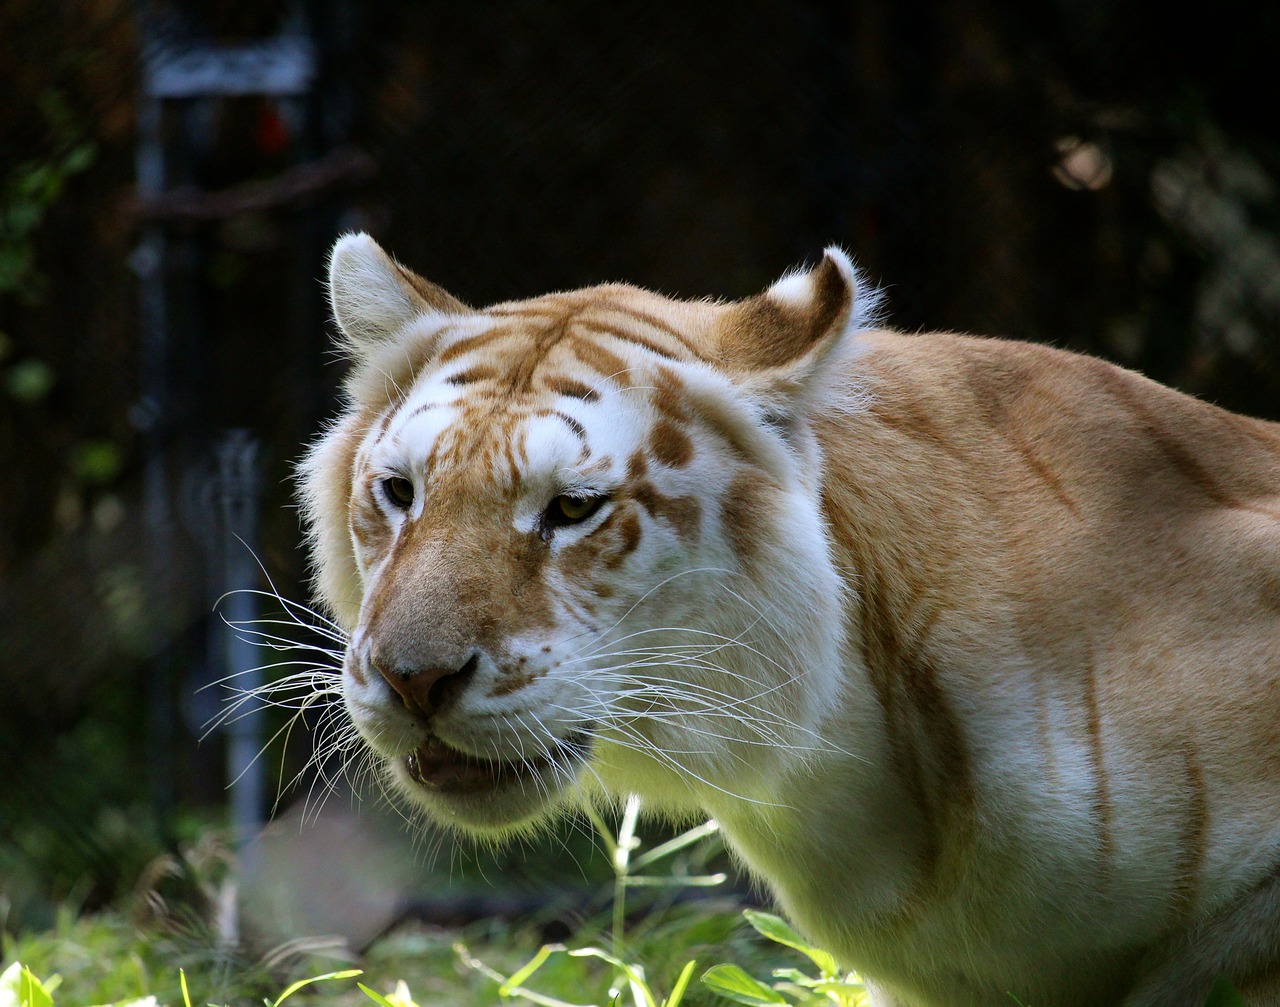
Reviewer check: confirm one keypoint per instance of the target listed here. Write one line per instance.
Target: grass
(445, 972)
(619, 958)
(688, 955)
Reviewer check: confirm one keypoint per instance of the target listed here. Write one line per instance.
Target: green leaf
(294, 987)
(853, 994)
(731, 982)
(779, 930)
(400, 997)
(1224, 994)
(377, 998)
(20, 988)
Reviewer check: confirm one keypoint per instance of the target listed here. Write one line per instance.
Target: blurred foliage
(29, 191)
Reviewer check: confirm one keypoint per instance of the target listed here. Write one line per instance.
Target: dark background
(1097, 176)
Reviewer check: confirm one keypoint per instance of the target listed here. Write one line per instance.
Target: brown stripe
(1175, 453)
(905, 415)
(1102, 810)
(629, 534)
(670, 395)
(561, 385)
(527, 310)
(435, 297)
(747, 513)
(426, 407)
(886, 662)
(604, 362)
(637, 467)
(520, 377)
(942, 740)
(512, 465)
(471, 343)
(926, 741)
(684, 514)
(384, 421)
(670, 445)
(655, 322)
(1042, 470)
(636, 339)
(472, 375)
(572, 424)
(1195, 839)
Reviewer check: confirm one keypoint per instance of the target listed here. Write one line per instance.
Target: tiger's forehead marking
(529, 391)
(596, 326)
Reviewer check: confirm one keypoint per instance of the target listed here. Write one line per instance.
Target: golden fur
(971, 646)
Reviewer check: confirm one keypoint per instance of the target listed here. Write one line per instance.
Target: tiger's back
(973, 647)
(1068, 610)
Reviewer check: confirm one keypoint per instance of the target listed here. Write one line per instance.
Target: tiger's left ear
(779, 344)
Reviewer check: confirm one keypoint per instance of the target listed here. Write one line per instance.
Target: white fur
(369, 303)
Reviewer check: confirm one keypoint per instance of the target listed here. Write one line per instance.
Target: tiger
(971, 646)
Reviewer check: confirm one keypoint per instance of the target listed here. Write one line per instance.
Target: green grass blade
(682, 984)
(517, 978)
(627, 834)
(475, 964)
(635, 976)
(659, 881)
(674, 845)
(294, 987)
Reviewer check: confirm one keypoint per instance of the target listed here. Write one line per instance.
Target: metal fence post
(238, 492)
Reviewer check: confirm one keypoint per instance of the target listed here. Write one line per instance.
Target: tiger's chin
(489, 795)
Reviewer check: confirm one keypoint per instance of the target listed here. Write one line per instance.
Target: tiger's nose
(425, 690)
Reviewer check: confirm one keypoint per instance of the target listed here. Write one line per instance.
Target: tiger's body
(972, 647)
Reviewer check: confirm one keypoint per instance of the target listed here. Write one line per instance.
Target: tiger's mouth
(437, 767)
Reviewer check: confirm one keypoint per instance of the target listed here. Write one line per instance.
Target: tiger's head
(576, 541)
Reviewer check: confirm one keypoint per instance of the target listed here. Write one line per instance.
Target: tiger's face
(576, 541)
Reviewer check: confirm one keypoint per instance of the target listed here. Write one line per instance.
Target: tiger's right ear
(374, 298)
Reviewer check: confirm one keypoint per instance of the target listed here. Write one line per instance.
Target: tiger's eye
(569, 509)
(399, 491)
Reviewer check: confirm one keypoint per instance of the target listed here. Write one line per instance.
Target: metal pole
(151, 419)
(239, 496)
